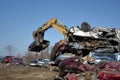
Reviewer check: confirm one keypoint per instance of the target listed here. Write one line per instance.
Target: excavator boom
(38, 35)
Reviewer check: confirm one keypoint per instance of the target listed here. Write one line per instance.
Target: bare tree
(36, 55)
(28, 57)
(10, 49)
(18, 55)
(44, 54)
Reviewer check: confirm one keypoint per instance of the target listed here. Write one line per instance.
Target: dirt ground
(20, 72)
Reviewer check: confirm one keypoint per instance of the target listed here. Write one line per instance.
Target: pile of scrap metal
(98, 41)
(82, 50)
(74, 69)
(89, 53)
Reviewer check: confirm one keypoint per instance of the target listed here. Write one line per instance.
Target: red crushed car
(109, 70)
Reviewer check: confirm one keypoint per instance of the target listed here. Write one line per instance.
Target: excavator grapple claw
(37, 47)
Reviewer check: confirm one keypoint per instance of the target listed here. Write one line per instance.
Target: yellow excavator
(38, 35)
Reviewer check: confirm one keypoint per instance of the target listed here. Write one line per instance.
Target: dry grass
(18, 72)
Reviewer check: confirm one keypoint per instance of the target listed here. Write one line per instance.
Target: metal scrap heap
(82, 51)
(96, 53)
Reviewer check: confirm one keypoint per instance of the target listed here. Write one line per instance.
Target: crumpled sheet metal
(106, 70)
(57, 47)
(71, 77)
(109, 65)
(108, 75)
(109, 70)
(112, 33)
(105, 56)
(74, 64)
(77, 32)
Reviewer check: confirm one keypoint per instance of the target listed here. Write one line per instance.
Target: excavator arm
(38, 35)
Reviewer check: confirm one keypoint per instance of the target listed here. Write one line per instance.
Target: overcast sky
(19, 18)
